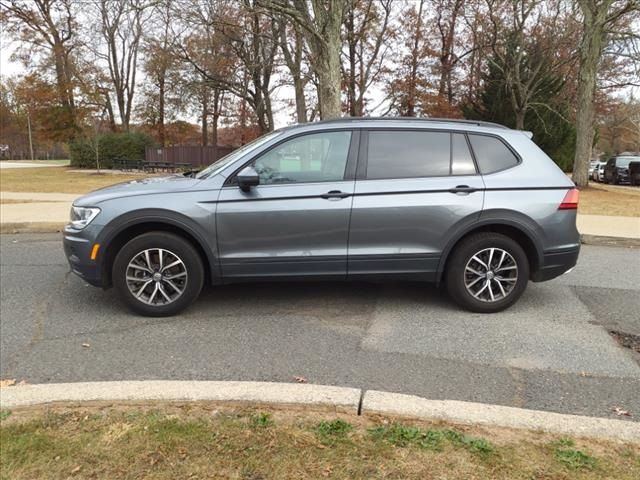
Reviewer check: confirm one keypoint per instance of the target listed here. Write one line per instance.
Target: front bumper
(77, 246)
(555, 263)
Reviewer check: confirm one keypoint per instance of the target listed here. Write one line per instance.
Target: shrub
(111, 146)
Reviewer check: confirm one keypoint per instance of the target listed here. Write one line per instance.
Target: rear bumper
(555, 263)
(77, 246)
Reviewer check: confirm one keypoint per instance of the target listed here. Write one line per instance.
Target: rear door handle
(335, 194)
(462, 189)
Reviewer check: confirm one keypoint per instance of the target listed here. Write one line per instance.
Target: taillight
(570, 201)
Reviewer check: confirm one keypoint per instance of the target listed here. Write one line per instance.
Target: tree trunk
(413, 76)
(293, 59)
(301, 102)
(520, 115)
(205, 114)
(329, 76)
(591, 47)
(161, 132)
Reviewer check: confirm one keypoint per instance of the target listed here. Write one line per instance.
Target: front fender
(157, 218)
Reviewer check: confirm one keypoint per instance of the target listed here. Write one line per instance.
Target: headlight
(80, 217)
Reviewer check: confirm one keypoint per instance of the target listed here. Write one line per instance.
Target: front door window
(318, 157)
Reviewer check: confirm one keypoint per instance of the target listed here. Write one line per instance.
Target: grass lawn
(57, 180)
(204, 440)
(608, 200)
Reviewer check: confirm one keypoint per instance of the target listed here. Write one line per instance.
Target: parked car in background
(598, 172)
(592, 167)
(616, 170)
(475, 206)
(634, 173)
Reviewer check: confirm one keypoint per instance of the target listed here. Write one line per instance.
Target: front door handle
(335, 194)
(462, 189)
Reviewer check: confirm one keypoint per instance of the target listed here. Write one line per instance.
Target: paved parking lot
(551, 351)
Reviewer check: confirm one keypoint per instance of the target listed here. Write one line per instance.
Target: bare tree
(524, 39)
(160, 64)
(121, 26)
(49, 26)
(293, 51)
(234, 48)
(408, 85)
(448, 13)
(598, 16)
(320, 23)
(367, 36)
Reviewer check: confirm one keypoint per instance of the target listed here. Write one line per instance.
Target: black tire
(462, 255)
(178, 247)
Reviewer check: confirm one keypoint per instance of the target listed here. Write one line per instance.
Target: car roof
(397, 122)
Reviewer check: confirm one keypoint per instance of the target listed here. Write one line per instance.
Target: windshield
(227, 159)
(625, 161)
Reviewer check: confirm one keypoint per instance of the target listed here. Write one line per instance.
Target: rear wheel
(487, 272)
(158, 274)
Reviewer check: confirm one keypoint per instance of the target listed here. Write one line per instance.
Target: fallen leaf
(76, 470)
(8, 382)
(620, 411)
(86, 345)
(300, 379)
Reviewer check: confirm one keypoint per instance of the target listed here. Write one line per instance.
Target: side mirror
(247, 178)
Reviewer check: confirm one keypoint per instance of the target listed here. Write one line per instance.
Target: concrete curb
(500, 416)
(609, 241)
(32, 227)
(347, 400)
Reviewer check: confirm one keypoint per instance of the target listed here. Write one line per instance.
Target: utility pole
(30, 138)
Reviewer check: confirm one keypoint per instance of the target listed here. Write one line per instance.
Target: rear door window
(408, 154)
(492, 154)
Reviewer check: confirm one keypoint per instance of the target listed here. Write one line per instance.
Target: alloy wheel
(491, 275)
(156, 276)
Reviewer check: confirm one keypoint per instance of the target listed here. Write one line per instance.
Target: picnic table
(127, 165)
(166, 166)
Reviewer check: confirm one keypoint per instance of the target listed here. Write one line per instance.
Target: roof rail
(479, 123)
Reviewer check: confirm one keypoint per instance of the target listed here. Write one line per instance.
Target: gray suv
(471, 205)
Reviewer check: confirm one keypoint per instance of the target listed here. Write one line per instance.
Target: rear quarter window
(492, 154)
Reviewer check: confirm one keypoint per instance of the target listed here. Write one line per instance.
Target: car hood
(171, 184)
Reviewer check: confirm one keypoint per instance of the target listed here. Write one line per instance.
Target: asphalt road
(551, 351)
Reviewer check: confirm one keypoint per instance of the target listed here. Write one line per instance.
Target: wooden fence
(195, 155)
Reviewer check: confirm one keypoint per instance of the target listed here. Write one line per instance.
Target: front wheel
(487, 272)
(158, 274)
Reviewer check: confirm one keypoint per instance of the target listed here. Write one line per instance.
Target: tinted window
(318, 157)
(491, 154)
(397, 154)
(625, 161)
(461, 160)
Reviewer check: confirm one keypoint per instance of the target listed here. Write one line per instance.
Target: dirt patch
(627, 340)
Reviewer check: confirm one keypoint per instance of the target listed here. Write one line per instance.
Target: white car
(598, 172)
